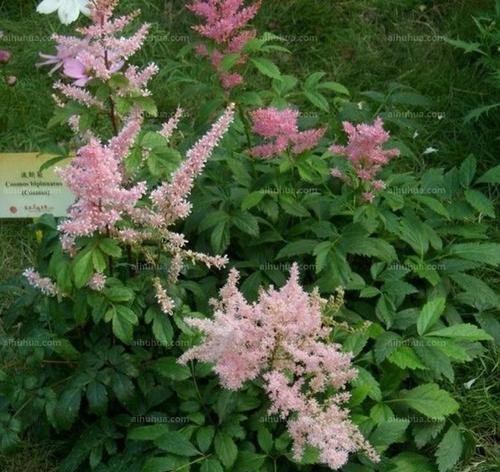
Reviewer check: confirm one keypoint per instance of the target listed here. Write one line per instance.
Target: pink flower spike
(225, 23)
(281, 341)
(280, 127)
(364, 149)
(171, 125)
(271, 122)
(306, 140)
(44, 284)
(167, 305)
(170, 198)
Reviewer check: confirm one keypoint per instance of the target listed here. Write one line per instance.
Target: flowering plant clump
(108, 202)
(281, 129)
(224, 24)
(365, 153)
(111, 348)
(281, 338)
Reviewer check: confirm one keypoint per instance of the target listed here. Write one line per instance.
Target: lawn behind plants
(377, 49)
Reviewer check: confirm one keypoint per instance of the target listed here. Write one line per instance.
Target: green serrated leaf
(83, 268)
(175, 443)
(450, 449)
(266, 67)
(405, 358)
(491, 176)
(463, 332)
(430, 314)
(480, 202)
(225, 449)
(431, 401)
(170, 368)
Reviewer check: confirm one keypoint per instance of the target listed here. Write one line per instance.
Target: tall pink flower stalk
(281, 340)
(98, 53)
(365, 153)
(44, 284)
(96, 179)
(170, 197)
(224, 24)
(281, 132)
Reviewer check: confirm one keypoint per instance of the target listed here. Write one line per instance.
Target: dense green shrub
(99, 368)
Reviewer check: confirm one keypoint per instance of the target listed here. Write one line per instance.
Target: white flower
(68, 10)
(430, 150)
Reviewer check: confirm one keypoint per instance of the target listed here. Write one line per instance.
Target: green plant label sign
(28, 190)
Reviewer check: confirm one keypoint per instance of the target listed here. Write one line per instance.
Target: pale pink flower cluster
(95, 177)
(225, 21)
(99, 53)
(170, 199)
(44, 284)
(365, 153)
(280, 128)
(281, 339)
(166, 304)
(171, 124)
(97, 282)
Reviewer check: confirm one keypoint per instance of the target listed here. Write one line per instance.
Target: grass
(478, 388)
(365, 44)
(33, 458)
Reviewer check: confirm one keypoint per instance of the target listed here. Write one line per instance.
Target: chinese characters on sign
(26, 191)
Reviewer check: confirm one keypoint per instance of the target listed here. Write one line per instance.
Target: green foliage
(414, 264)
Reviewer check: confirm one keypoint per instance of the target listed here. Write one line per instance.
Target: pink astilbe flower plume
(170, 197)
(281, 130)
(224, 23)
(95, 177)
(171, 125)
(99, 53)
(281, 339)
(44, 284)
(365, 153)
